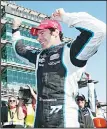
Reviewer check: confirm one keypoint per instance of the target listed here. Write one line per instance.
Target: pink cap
(45, 24)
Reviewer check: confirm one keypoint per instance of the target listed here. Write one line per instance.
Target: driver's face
(44, 37)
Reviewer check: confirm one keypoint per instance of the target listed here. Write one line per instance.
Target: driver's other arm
(92, 34)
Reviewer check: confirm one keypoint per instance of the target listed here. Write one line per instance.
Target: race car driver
(59, 65)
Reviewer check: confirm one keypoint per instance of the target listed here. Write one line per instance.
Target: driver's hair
(53, 29)
(60, 33)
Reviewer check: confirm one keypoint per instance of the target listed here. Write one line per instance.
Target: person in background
(14, 111)
(99, 110)
(28, 109)
(85, 115)
(4, 111)
(29, 120)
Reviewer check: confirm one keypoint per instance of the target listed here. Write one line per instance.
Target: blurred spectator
(28, 109)
(29, 120)
(4, 103)
(4, 112)
(99, 111)
(85, 114)
(12, 113)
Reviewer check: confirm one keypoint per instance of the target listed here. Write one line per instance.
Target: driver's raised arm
(23, 52)
(92, 32)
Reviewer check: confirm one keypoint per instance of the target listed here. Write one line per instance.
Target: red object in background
(33, 31)
(100, 122)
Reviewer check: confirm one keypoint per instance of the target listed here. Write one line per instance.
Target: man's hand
(88, 76)
(32, 92)
(16, 23)
(58, 14)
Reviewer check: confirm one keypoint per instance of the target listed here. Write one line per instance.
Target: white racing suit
(59, 68)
